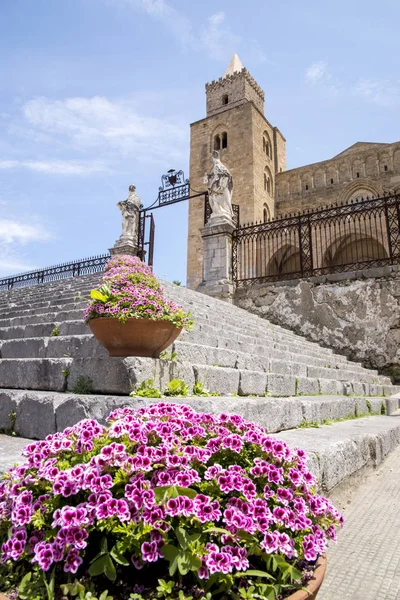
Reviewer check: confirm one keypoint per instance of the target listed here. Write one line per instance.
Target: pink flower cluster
(134, 292)
(228, 476)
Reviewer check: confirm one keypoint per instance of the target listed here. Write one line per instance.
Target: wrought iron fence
(85, 266)
(347, 237)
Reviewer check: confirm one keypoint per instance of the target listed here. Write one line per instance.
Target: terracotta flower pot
(136, 337)
(314, 584)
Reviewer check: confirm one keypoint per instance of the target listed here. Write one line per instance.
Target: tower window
(224, 140)
(225, 99)
(358, 174)
(217, 143)
(267, 183)
(306, 187)
(331, 181)
(265, 214)
(385, 168)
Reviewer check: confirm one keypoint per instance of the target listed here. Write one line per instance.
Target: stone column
(217, 259)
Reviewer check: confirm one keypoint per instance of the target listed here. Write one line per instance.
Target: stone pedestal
(125, 247)
(217, 259)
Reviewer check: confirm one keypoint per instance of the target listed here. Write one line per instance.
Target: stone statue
(130, 216)
(220, 185)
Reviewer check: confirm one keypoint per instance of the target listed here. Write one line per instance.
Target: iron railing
(346, 237)
(85, 266)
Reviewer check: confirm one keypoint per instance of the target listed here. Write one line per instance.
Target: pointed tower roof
(234, 66)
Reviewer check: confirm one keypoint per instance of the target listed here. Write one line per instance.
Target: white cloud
(56, 167)
(8, 266)
(380, 92)
(217, 39)
(18, 232)
(316, 72)
(104, 124)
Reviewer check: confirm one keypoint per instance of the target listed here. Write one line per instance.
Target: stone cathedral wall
(363, 170)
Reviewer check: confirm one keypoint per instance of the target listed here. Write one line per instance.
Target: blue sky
(98, 94)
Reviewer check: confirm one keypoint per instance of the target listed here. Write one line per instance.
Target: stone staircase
(266, 373)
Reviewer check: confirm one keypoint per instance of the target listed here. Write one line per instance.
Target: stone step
(270, 359)
(224, 337)
(35, 373)
(341, 452)
(337, 454)
(118, 375)
(37, 414)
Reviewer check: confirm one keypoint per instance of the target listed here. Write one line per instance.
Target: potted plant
(167, 503)
(129, 313)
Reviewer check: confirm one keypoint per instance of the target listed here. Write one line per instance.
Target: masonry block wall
(357, 314)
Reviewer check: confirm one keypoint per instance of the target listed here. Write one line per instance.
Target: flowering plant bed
(131, 294)
(166, 503)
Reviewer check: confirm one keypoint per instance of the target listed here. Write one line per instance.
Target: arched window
(267, 183)
(217, 143)
(267, 149)
(224, 140)
(225, 99)
(265, 214)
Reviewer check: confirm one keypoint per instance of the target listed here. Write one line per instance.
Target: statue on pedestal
(220, 186)
(130, 216)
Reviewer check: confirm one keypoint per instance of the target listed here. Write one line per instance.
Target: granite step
(338, 454)
(37, 414)
(265, 359)
(118, 375)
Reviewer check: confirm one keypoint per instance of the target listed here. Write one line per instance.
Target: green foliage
(81, 592)
(177, 387)
(306, 424)
(66, 372)
(383, 408)
(168, 356)
(185, 556)
(200, 390)
(55, 332)
(176, 282)
(33, 587)
(83, 385)
(146, 389)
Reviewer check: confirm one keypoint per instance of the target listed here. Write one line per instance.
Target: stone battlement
(217, 83)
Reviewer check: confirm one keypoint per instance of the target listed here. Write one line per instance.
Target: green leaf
(182, 537)
(186, 492)
(194, 562)
(119, 558)
(170, 552)
(217, 530)
(110, 571)
(254, 573)
(183, 565)
(173, 566)
(96, 295)
(98, 566)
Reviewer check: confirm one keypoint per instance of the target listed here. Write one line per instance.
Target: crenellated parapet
(218, 83)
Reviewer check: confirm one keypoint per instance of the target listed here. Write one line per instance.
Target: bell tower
(252, 149)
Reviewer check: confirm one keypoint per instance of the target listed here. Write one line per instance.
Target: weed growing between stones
(168, 355)
(55, 332)
(164, 502)
(12, 417)
(83, 385)
(176, 387)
